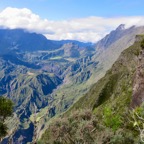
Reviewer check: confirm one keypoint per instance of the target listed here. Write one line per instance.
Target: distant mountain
(81, 44)
(113, 36)
(19, 40)
(110, 47)
(22, 40)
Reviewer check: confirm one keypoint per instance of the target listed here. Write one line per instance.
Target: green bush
(79, 127)
(111, 119)
(6, 110)
(84, 127)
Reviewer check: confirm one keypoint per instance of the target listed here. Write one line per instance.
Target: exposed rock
(138, 85)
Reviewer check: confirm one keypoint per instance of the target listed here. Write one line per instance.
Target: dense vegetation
(84, 127)
(6, 110)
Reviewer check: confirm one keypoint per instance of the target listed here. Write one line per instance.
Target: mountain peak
(121, 27)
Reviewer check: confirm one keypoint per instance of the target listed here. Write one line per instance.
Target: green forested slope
(104, 114)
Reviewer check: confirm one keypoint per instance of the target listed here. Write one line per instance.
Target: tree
(3, 130)
(6, 110)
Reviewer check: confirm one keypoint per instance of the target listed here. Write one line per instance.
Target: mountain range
(46, 77)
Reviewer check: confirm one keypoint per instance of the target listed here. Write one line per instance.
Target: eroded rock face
(138, 85)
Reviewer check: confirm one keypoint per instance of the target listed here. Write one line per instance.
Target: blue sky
(84, 20)
(67, 9)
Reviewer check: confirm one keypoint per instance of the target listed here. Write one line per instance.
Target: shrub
(111, 119)
(6, 110)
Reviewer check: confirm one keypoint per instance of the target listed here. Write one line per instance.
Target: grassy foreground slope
(104, 114)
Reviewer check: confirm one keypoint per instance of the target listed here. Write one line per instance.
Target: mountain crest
(121, 27)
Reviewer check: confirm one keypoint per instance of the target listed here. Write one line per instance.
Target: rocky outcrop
(138, 84)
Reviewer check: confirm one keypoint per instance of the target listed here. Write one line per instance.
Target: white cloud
(83, 29)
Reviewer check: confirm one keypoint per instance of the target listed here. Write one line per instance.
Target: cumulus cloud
(83, 29)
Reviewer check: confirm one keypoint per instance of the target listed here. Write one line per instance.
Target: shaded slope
(116, 85)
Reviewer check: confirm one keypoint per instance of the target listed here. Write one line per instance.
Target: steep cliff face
(138, 83)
